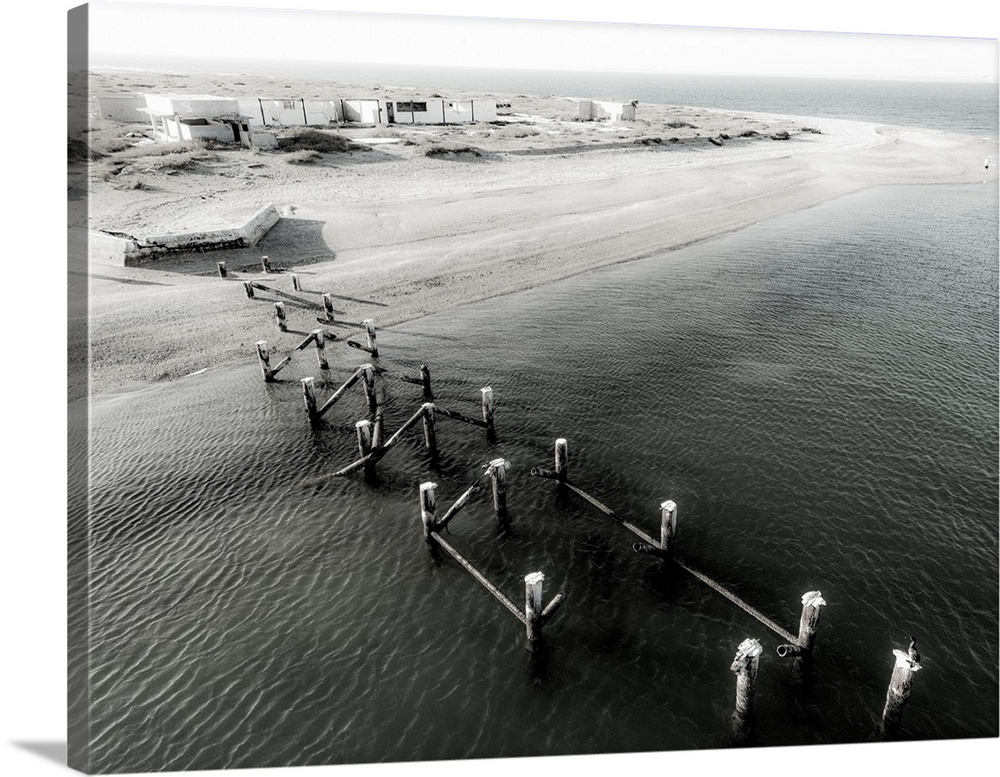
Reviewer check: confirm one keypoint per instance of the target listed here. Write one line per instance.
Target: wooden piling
(745, 667)
(309, 395)
(364, 431)
(265, 264)
(497, 470)
(430, 429)
(898, 692)
(533, 605)
(222, 269)
(366, 442)
(319, 338)
(279, 316)
(378, 450)
(248, 288)
(562, 459)
(296, 286)
(370, 332)
(812, 602)
(427, 506)
(425, 380)
(265, 360)
(328, 307)
(368, 381)
(491, 435)
(379, 427)
(668, 527)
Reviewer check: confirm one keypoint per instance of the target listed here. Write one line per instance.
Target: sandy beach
(394, 233)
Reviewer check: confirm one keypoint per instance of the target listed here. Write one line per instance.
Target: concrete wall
(484, 110)
(365, 111)
(178, 130)
(263, 140)
(595, 110)
(432, 113)
(250, 106)
(140, 250)
(193, 105)
(111, 249)
(285, 113)
(320, 112)
(118, 107)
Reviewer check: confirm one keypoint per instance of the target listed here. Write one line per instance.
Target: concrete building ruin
(594, 110)
(197, 117)
(176, 117)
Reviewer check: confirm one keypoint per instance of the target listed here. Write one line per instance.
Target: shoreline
(397, 235)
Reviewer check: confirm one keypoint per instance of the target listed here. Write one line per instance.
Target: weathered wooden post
(365, 442)
(430, 430)
(265, 264)
(745, 667)
(222, 269)
(497, 470)
(491, 435)
(427, 505)
(562, 459)
(370, 332)
(319, 339)
(265, 360)
(668, 527)
(812, 603)
(425, 380)
(533, 606)
(899, 690)
(328, 306)
(364, 430)
(279, 316)
(248, 288)
(296, 286)
(368, 382)
(309, 395)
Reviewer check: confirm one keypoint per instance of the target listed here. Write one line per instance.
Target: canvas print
(461, 388)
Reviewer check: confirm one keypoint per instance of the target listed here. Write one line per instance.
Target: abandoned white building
(290, 112)
(197, 117)
(591, 110)
(177, 117)
(125, 108)
(440, 111)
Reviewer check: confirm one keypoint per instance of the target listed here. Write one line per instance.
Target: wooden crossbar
(497, 593)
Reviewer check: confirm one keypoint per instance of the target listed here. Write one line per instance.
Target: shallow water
(818, 393)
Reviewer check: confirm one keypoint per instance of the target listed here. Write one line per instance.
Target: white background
(34, 685)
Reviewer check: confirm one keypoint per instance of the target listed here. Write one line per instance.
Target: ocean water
(817, 393)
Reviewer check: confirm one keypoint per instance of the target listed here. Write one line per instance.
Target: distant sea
(817, 392)
(946, 105)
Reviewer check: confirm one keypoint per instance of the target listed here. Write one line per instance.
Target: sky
(552, 35)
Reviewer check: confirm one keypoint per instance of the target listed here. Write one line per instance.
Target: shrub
(680, 125)
(445, 150)
(316, 140)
